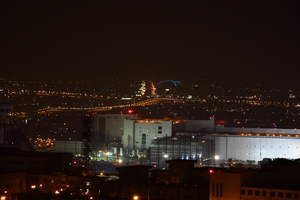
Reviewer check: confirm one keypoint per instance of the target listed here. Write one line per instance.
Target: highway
(106, 108)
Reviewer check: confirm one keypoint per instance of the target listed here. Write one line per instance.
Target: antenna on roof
(2, 90)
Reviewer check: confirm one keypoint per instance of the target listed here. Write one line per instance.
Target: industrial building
(157, 138)
(139, 133)
(247, 144)
(255, 147)
(182, 146)
(108, 128)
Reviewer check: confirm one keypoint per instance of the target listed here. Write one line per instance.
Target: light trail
(106, 108)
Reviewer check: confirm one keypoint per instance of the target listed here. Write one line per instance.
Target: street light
(166, 156)
(216, 158)
(135, 197)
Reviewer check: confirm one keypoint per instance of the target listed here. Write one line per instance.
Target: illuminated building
(181, 146)
(248, 145)
(139, 133)
(108, 128)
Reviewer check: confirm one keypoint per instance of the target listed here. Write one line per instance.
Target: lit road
(105, 108)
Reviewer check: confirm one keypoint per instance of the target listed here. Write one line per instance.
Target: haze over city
(157, 39)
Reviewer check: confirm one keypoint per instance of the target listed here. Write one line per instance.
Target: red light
(154, 166)
(130, 111)
(67, 186)
(74, 162)
(211, 171)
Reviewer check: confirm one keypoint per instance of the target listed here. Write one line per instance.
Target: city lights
(135, 197)
(150, 100)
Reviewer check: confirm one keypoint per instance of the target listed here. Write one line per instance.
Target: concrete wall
(152, 131)
(139, 134)
(227, 186)
(114, 124)
(256, 147)
(127, 138)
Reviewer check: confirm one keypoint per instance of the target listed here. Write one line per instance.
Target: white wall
(256, 147)
(152, 131)
(127, 137)
(133, 133)
(114, 125)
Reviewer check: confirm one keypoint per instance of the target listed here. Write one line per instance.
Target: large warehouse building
(243, 144)
(255, 147)
(140, 135)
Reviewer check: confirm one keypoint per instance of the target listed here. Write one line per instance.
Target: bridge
(146, 102)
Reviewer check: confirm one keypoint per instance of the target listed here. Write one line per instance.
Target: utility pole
(87, 144)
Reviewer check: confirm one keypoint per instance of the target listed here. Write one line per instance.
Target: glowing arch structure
(174, 82)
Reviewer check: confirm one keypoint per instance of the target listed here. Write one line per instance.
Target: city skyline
(198, 91)
(165, 40)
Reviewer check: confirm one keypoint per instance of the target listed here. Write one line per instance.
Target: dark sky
(149, 39)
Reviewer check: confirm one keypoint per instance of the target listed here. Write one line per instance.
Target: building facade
(184, 147)
(109, 127)
(138, 134)
(255, 147)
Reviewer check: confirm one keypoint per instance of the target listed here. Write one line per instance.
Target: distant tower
(11, 135)
(87, 145)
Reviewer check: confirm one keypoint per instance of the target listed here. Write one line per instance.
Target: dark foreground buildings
(38, 175)
(182, 181)
(43, 175)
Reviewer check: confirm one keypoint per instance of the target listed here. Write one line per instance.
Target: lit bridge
(105, 108)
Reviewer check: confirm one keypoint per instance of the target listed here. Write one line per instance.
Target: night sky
(150, 39)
